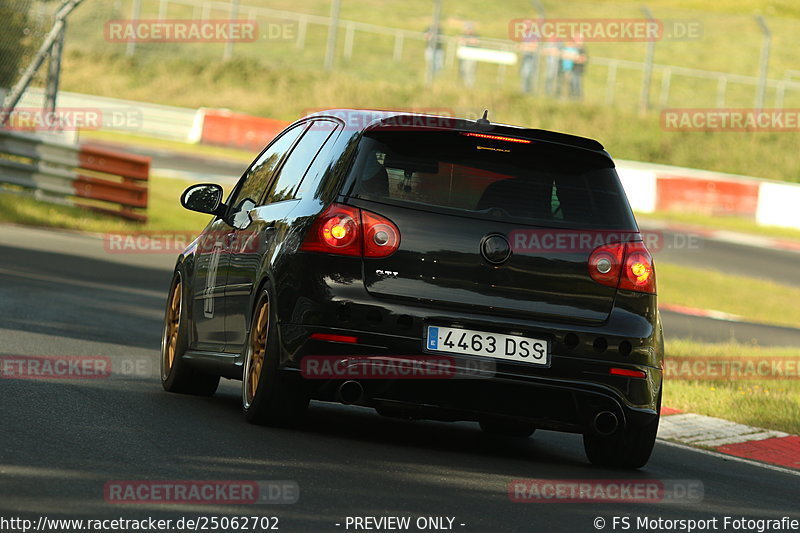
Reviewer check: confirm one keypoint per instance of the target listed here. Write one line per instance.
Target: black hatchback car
(427, 267)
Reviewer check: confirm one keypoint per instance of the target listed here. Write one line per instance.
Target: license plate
(470, 342)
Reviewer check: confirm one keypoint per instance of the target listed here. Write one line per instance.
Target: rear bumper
(566, 396)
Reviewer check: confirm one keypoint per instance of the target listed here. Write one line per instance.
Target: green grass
(730, 223)
(164, 212)
(772, 404)
(250, 86)
(753, 299)
(279, 80)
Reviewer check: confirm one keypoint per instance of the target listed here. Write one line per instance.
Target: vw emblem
(495, 249)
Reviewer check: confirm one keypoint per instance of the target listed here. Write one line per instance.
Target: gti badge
(386, 273)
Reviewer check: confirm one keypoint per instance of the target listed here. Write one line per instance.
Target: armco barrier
(141, 118)
(115, 182)
(221, 127)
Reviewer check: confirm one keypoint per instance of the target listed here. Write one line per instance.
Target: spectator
(569, 56)
(434, 51)
(551, 50)
(467, 67)
(529, 66)
(578, 69)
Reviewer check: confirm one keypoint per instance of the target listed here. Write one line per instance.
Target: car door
(214, 249)
(267, 226)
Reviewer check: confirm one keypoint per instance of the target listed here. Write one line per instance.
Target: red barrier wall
(237, 130)
(710, 197)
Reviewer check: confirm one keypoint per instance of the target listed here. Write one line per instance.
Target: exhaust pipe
(605, 423)
(350, 392)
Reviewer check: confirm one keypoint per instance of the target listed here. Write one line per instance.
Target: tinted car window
(533, 182)
(261, 172)
(291, 174)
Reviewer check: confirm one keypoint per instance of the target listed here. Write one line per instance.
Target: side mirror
(203, 198)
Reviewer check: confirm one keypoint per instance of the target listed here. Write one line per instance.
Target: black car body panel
(437, 277)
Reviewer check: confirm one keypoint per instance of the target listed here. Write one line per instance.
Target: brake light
(346, 230)
(496, 137)
(638, 274)
(626, 266)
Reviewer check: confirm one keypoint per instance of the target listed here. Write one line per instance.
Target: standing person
(434, 49)
(529, 67)
(569, 56)
(467, 67)
(552, 65)
(578, 69)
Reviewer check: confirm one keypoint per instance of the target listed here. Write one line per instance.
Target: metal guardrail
(164, 122)
(84, 176)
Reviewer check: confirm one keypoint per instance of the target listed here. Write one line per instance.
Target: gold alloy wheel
(172, 328)
(257, 350)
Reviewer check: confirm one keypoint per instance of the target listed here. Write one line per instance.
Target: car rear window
(487, 176)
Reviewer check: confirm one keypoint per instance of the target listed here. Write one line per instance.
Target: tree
(16, 42)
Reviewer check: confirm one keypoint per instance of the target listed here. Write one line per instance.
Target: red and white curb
(707, 313)
(727, 236)
(730, 438)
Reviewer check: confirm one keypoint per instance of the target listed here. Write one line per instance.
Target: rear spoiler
(417, 122)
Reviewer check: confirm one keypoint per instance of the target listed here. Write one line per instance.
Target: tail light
(626, 266)
(346, 230)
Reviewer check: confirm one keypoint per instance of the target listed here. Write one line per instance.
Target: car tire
(628, 448)
(176, 375)
(268, 396)
(507, 428)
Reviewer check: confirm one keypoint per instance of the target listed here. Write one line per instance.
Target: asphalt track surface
(62, 441)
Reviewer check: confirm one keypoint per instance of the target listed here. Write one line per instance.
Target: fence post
(722, 88)
(611, 81)
(666, 79)
(398, 45)
(301, 33)
(234, 13)
(130, 48)
(333, 26)
(539, 7)
(764, 63)
(647, 75)
(433, 42)
(780, 93)
(348, 40)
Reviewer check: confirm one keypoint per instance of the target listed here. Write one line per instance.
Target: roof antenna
(483, 120)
